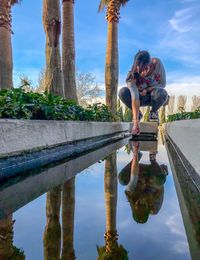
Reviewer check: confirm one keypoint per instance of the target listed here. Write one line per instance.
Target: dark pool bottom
(124, 205)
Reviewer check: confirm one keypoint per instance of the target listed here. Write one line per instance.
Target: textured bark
(6, 60)
(195, 103)
(6, 238)
(52, 234)
(111, 68)
(181, 103)
(110, 186)
(52, 27)
(170, 106)
(68, 50)
(162, 115)
(68, 204)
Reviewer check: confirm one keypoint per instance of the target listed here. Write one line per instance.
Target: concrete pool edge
(185, 135)
(188, 195)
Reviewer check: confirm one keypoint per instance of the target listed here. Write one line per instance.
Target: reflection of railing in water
(189, 198)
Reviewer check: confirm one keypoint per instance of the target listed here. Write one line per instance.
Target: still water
(127, 198)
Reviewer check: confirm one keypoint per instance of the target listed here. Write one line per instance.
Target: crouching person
(145, 87)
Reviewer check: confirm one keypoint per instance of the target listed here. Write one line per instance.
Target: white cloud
(180, 20)
(184, 85)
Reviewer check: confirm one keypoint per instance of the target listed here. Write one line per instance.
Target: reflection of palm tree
(7, 249)
(52, 233)
(111, 250)
(68, 202)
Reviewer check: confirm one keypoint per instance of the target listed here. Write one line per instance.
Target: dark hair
(142, 57)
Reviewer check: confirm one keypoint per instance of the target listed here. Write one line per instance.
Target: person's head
(141, 61)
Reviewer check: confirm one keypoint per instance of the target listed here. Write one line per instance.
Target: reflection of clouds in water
(181, 247)
(174, 224)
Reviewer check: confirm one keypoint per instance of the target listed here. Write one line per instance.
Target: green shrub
(17, 104)
(184, 115)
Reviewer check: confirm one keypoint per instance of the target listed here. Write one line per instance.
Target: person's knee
(159, 94)
(122, 92)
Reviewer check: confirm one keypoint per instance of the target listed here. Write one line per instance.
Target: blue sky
(168, 29)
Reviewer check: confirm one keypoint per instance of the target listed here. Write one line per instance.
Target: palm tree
(52, 234)
(111, 67)
(68, 205)
(195, 103)
(52, 27)
(162, 115)
(170, 106)
(6, 60)
(68, 50)
(111, 250)
(181, 104)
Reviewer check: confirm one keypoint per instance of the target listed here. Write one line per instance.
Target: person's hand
(143, 92)
(136, 128)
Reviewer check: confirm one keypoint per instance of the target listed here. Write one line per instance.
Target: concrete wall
(186, 136)
(18, 136)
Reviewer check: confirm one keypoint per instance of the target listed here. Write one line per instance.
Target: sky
(168, 29)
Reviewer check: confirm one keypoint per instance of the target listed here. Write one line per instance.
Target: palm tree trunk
(162, 115)
(52, 234)
(52, 24)
(111, 68)
(68, 204)
(6, 60)
(110, 184)
(181, 104)
(170, 106)
(68, 50)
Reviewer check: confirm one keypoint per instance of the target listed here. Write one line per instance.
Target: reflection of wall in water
(189, 199)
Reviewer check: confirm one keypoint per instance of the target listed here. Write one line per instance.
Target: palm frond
(103, 4)
(15, 2)
(123, 2)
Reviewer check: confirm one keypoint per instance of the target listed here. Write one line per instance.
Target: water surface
(140, 213)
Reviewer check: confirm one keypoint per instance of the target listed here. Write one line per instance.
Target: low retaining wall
(185, 135)
(18, 136)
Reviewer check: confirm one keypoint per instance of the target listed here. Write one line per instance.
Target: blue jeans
(157, 98)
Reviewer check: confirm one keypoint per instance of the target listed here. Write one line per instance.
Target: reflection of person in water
(144, 188)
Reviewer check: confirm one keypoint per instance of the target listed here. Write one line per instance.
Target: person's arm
(135, 102)
(134, 169)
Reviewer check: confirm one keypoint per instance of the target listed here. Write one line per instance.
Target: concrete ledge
(21, 136)
(185, 135)
(18, 136)
(188, 195)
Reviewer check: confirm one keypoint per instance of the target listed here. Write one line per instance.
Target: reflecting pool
(124, 205)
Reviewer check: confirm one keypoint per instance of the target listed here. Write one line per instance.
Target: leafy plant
(184, 115)
(18, 104)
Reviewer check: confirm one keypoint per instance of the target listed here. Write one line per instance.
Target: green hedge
(184, 115)
(18, 104)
